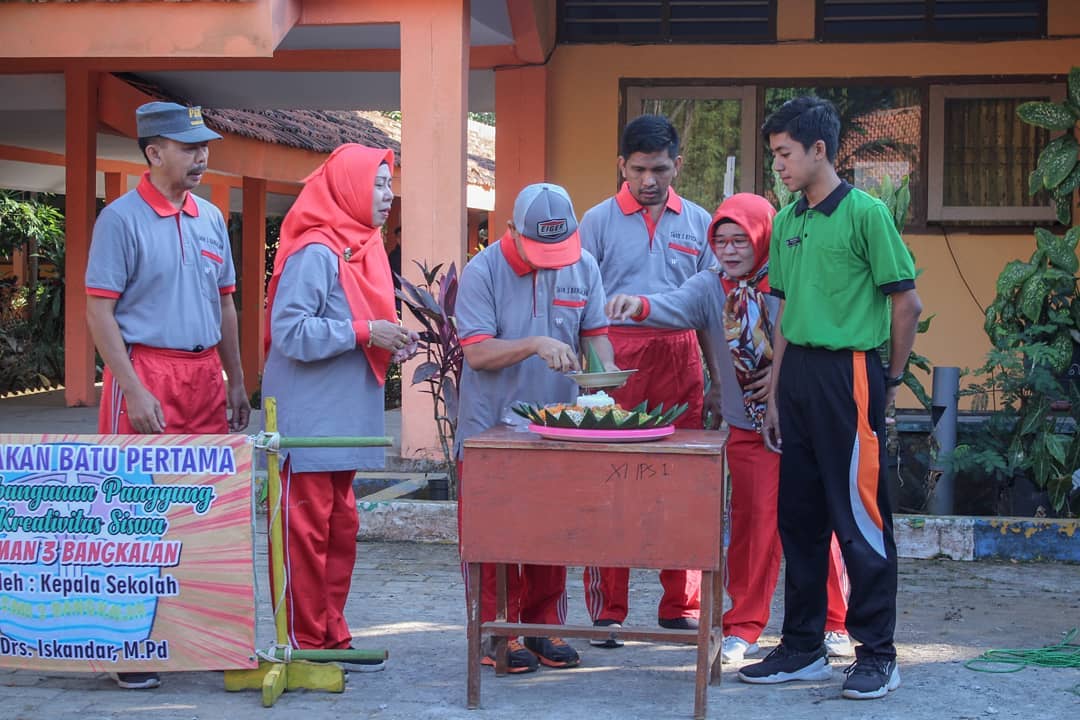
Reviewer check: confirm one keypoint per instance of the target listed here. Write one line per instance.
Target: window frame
(753, 90)
(749, 121)
(936, 210)
(665, 37)
(928, 34)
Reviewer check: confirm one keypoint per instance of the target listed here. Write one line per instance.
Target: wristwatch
(891, 382)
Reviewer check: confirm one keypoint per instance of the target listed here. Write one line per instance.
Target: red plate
(580, 435)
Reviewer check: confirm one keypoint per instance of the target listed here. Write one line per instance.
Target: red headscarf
(746, 318)
(334, 209)
(754, 214)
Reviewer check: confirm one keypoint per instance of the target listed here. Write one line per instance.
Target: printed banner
(126, 553)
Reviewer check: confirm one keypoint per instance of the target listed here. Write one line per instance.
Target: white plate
(601, 379)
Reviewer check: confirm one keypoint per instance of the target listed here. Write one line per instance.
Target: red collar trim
(629, 204)
(513, 257)
(161, 205)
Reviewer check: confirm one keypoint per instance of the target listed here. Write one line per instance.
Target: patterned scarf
(749, 337)
(747, 328)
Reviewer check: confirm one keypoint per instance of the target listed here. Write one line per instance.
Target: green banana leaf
(640, 417)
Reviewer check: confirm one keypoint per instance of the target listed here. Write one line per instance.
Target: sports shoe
(871, 677)
(136, 680)
(518, 659)
(735, 649)
(682, 623)
(612, 641)
(838, 644)
(553, 652)
(785, 665)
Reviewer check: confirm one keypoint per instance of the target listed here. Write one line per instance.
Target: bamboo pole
(283, 667)
(277, 559)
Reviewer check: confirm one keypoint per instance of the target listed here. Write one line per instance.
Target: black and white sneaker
(784, 665)
(136, 680)
(871, 677)
(612, 641)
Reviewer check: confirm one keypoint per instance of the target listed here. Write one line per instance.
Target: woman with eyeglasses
(732, 305)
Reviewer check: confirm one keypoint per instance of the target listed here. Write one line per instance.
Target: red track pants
(188, 385)
(669, 372)
(534, 593)
(320, 525)
(753, 556)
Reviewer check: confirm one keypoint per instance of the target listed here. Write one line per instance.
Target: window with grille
(874, 20)
(981, 154)
(667, 21)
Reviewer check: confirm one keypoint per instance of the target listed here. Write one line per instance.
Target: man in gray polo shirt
(159, 283)
(647, 239)
(527, 306)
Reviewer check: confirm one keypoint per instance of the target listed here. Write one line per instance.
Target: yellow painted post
(274, 678)
(284, 668)
(277, 544)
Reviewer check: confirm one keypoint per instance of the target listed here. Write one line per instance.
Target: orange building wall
(583, 127)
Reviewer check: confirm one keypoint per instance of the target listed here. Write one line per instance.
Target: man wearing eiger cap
(527, 306)
(159, 282)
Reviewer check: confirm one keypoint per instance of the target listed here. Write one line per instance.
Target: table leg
(718, 624)
(705, 621)
(474, 650)
(501, 651)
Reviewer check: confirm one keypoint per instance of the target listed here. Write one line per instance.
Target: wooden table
(655, 504)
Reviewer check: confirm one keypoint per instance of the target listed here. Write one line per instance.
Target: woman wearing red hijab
(737, 314)
(331, 333)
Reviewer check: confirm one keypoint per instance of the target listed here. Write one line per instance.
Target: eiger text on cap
(544, 216)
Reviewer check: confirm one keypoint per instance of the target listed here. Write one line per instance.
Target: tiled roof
(903, 125)
(324, 130)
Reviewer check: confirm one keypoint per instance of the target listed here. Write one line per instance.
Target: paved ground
(408, 598)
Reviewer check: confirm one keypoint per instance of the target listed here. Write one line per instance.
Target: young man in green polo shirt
(847, 285)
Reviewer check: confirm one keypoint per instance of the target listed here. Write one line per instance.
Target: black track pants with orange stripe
(832, 478)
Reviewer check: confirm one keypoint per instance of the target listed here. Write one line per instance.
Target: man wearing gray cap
(527, 306)
(159, 282)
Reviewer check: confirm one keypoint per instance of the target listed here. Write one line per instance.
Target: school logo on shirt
(551, 228)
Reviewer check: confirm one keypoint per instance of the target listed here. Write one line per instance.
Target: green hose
(1065, 654)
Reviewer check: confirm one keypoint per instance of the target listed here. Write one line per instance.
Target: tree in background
(32, 321)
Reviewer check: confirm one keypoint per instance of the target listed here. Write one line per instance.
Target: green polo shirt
(835, 264)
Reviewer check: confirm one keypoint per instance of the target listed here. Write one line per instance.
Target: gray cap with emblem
(172, 121)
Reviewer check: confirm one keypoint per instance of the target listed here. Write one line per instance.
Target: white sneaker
(838, 644)
(735, 649)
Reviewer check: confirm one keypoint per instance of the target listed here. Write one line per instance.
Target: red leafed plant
(432, 304)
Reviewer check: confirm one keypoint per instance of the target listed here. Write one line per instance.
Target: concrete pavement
(408, 598)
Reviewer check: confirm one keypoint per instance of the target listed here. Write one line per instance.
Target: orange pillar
(80, 138)
(520, 139)
(115, 186)
(434, 93)
(219, 196)
(252, 288)
(475, 218)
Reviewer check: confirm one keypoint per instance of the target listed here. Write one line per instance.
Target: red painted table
(655, 504)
